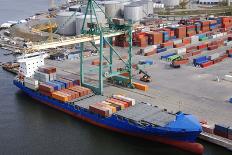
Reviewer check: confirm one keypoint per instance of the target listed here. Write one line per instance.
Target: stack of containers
(221, 130)
(186, 40)
(168, 44)
(219, 21)
(42, 77)
(198, 27)
(181, 51)
(150, 50)
(180, 32)
(165, 36)
(202, 37)
(229, 52)
(194, 39)
(100, 109)
(31, 83)
(121, 41)
(154, 38)
(159, 50)
(205, 26)
(81, 90)
(111, 105)
(213, 24)
(46, 89)
(178, 43)
(214, 56)
(202, 46)
(64, 97)
(226, 22)
(45, 74)
(191, 30)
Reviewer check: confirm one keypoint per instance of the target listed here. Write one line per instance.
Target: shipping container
(221, 130)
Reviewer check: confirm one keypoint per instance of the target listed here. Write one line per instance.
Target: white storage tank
(99, 14)
(123, 4)
(112, 9)
(133, 12)
(80, 20)
(147, 7)
(171, 3)
(66, 22)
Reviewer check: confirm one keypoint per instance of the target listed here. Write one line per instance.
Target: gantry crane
(97, 32)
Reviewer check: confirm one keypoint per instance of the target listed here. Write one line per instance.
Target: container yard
(120, 66)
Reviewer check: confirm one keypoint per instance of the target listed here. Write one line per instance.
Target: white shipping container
(214, 36)
(33, 87)
(31, 80)
(214, 56)
(123, 98)
(178, 41)
(180, 50)
(228, 43)
(228, 78)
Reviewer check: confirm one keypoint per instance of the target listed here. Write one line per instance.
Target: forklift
(146, 77)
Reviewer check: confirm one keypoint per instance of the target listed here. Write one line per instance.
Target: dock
(220, 141)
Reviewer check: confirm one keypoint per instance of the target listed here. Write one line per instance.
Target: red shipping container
(126, 104)
(196, 53)
(187, 55)
(46, 93)
(181, 62)
(155, 38)
(99, 110)
(167, 44)
(229, 51)
(212, 47)
(224, 56)
(207, 64)
(215, 61)
(188, 49)
(179, 45)
(150, 53)
(202, 46)
(221, 134)
(186, 41)
(45, 88)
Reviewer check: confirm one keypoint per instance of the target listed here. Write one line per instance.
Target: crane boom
(70, 41)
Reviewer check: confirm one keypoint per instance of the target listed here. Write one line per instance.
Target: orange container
(80, 93)
(59, 96)
(126, 104)
(140, 86)
(116, 103)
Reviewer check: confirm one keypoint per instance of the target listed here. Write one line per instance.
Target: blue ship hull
(180, 133)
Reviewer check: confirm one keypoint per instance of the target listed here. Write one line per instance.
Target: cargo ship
(117, 113)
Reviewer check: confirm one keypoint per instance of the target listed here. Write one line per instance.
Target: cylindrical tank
(133, 12)
(171, 3)
(66, 22)
(99, 14)
(144, 5)
(112, 9)
(80, 20)
(124, 3)
(75, 8)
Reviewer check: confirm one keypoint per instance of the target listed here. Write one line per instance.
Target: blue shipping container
(167, 55)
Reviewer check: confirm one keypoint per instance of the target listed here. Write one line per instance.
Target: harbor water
(28, 127)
